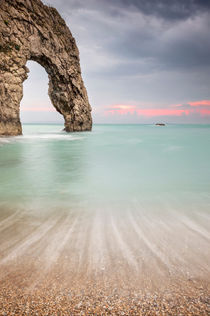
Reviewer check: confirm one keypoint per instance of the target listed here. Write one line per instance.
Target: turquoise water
(128, 200)
(114, 165)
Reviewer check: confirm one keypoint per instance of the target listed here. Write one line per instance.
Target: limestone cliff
(29, 30)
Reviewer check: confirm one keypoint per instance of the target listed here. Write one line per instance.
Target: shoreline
(100, 263)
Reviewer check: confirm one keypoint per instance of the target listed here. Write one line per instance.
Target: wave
(41, 137)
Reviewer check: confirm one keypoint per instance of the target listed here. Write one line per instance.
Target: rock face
(29, 30)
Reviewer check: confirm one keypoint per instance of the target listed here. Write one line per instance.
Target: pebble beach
(70, 265)
(96, 297)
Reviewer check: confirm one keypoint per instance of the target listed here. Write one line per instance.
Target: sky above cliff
(142, 61)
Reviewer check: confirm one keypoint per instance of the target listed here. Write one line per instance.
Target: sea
(136, 192)
(113, 165)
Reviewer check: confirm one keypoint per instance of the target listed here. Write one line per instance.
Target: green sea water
(120, 165)
(114, 165)
(134, 196)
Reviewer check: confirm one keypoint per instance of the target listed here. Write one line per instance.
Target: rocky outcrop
(30, 30)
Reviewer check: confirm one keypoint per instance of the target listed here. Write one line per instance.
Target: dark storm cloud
(167, 9)
(141, 50)
(174, 9)
(184, 46)
(175, 35)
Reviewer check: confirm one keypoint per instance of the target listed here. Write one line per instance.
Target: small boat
(160, 124)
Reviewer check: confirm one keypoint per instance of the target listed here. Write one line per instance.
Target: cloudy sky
(142, 61)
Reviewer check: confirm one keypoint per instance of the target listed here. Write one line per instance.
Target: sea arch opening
(36, 105)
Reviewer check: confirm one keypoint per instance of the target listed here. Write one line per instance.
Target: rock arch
(30, 30)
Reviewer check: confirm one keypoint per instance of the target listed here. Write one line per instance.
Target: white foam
(4, 141)
(49, 136)
(20, 248)
(66, 137)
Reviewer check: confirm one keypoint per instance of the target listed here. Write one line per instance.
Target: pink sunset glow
(161, 112)
(121, 109)
(201, 108)
(200, 103)
(203, 112)
(172, 110)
